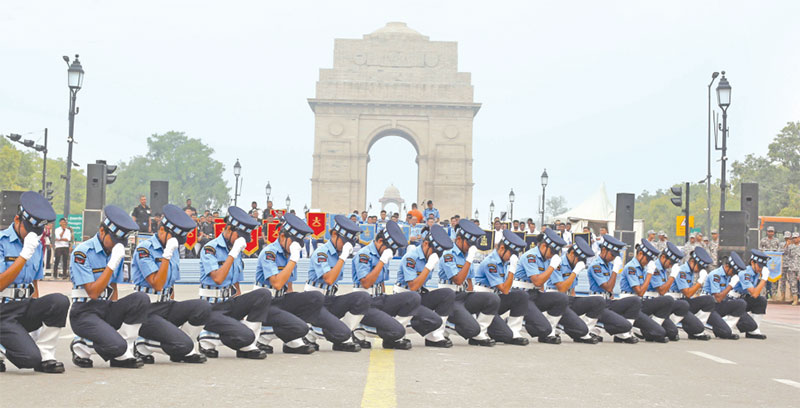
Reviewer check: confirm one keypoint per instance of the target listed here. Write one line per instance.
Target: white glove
(764, 273)
(294, 251)
(29, 245)
(471, 252)
(579, 267)
(432, 261)
(617, 265)
(512, 264)
(555, 261)
(734, 280)
(701, 277)
(386, 256)
(237, 247)
(347, 249)
(650, 268)
(117, 253)
(676, 270)
(169, 249)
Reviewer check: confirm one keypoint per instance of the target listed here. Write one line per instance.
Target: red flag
(191, 239)
(252, 246)
(219, 225)
(272, 232)
(317, 223)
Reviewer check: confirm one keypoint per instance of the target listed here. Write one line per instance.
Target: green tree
(556, 205)
(185, 162)
(22, 170)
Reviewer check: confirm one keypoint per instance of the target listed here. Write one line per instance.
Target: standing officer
(455, 272)
(728, 310)
(22, 311)
(752, 281)
(793, 265)
(290, 311)
(533, 271)
(171, 326)
(97, 314)
(683, 289)
(496, 274)
(636, 276)
(388, 315)
(236, 317)
(416, 267)
(325, 271)
(590, 308)
(603, 271)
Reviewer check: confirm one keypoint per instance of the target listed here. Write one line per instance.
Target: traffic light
(110, 177)
(48, 193)
(676, 201)
(14, 137)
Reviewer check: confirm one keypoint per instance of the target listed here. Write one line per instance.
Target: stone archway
(393, 82)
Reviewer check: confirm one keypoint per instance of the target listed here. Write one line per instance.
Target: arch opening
(392, 172)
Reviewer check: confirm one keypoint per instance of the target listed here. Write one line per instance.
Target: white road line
(790, 383)
(68, 336)
(712, 358)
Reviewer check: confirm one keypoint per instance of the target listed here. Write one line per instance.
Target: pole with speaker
(159, 195)
(623, 222)
(750, 206)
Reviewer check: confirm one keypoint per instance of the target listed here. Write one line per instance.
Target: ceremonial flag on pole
(219, 225)
(272, 232)
(367, 233)
(316, 220)
(252, 246)
(191, 239)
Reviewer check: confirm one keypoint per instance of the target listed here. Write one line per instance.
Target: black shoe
(597, 336)
(127, 363)
(758, 336)
(518, 341)
(701, 336)
(349, 347)
(364, 344)
(550, 339)
(210, 353)
(251, 354)
(676, 337)
(265, 347)
(310, 343)
(733, 336)
(147, 359)
(49, 366)
(197, 358)
(304, 349)
(2, 367)
(639, 335)
(483, 343)
(628, 340)
(590, 340)
(402, 344)
(446, 343)
(657, 340)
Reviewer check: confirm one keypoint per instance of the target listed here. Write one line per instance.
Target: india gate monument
(393, 82)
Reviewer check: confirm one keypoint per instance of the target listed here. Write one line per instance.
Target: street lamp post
(708, 175)
(288, 203)
(305, 209)
(14, 137)
(477, 216)
(237, 171)
(511, 198)
(491, 213)
(268, 190)
(75, 82)
(544, 185)
(724, 100)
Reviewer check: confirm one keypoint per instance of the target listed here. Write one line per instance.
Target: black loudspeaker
(624, 219)
(9, 203)
(159, 195)
(750, 203)
(91, 223)
(629, 238)
(95, 186)
(732, 232)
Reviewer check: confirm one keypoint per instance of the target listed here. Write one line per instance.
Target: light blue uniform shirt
(88, 261)
(416, 230)
(411, 265)
(10, 246)
(561, 274)
(599, 273)
(716, 281)
(531, 263)
(632, 275)
(451, 263)
(491, 272)
(146, 260)
(271, 261)
(748, 278)
(212, 257)
(660, 276)
(322, 260)
(685, 279)
(429, 211)
(366, 259)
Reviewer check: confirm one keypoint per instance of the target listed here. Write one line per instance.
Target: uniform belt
(214, 294)
(605, 295)
(16, 292)
(80, 295)
(623, 295)
(375, 291)
(674, 295)
(552, 290)
(154, 295)
(706, 293)
(447, 284)
(321, 286)
(483, 288)
(275, 293)
(651, 294)
(518, 284)
(734, 295)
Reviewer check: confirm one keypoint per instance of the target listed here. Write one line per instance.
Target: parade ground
(687, 373)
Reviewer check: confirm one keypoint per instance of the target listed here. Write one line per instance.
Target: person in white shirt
(62, 239)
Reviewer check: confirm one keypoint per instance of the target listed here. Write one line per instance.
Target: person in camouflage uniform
(661, 244)
(791, 261)
(713, 247)
(651, 236)
(773, 243)
(688, 247)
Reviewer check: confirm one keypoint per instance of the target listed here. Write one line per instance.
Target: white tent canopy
(595, 208)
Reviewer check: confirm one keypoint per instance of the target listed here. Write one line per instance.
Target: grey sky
(610, 92)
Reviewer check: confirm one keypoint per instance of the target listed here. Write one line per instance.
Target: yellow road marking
(379, 391)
